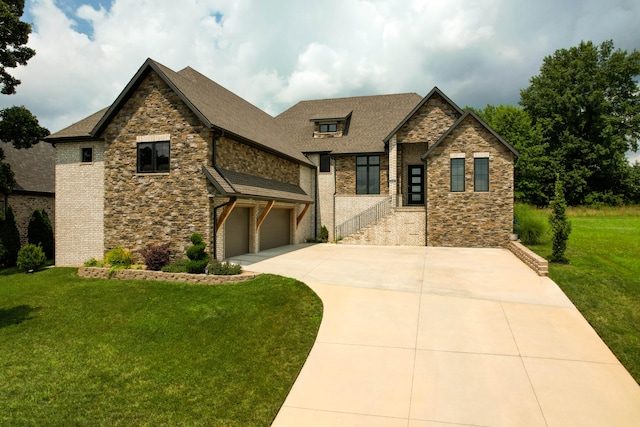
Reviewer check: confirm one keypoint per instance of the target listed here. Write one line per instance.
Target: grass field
(106, 352)
(603, 276)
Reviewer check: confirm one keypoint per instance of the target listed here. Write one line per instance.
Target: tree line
(577, 120)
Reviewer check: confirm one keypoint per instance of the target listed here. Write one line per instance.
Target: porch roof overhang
(243, 186)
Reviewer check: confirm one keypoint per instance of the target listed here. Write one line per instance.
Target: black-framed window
(457, 175)
(328, 127)
(368, 175)
(325, 163)
(481, 174)
(86, 155)
(153, 157)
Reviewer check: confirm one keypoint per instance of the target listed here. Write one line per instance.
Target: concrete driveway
(419, 336)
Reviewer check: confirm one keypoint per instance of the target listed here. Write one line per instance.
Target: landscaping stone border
(129, 274)
(533, 260)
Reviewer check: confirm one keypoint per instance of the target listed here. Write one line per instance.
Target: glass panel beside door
(416, 185)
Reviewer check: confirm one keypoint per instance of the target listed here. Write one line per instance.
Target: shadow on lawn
(15, 315)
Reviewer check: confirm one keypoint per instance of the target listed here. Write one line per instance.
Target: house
(177, 153)
(34, 171)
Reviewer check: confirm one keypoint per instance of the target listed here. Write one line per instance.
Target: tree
(17, 125)
(587, 105)
(14, 35)
(40, 232)
(9, 239)
(560, 225)
(533, 172)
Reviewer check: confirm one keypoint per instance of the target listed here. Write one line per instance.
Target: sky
(275, 53)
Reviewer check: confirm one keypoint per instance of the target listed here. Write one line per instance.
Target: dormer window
(328, 127)
(331, 124)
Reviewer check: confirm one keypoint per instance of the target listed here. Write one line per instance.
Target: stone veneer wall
(242, 158)
(79, 204)
(23, 206)
(345, 167)
(428, 124)
(203, 279)
(144, 209)
(470, 219)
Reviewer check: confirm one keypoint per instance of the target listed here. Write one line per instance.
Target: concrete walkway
(418, 336)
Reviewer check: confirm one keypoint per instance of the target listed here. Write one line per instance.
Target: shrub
(10, 238)
(529, 227)
(560, 224)
(224, 268)
(40, 232)
(31, 257)
(324, 234)
(178, 266)
(196, 266)
(93, 262)
(156, 256)
(198, 258)
(119, 258)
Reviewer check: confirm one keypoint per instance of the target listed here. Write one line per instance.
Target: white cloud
(275, 54)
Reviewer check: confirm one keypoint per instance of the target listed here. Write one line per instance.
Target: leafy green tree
(586, 103)
(533, 170)
(560, 225)
(40, 232)
(14, 35)
(17, 125)
(10, 239)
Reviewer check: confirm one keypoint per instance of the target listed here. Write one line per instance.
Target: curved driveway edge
(422, 336)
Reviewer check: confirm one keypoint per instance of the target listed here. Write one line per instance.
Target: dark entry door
(416, 185)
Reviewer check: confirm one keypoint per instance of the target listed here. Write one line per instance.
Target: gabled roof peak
(470, 113)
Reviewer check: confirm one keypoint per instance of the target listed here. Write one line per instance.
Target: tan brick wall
(346, 175)
(23, 206)
(240, 157)
(470, 219)
(144, 209)
(428, 124)
(403, 227)
(79, 204)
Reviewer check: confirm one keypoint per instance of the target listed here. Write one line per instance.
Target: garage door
(276, 229)
(236, 233)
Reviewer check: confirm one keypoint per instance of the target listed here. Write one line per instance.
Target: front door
(416, 185)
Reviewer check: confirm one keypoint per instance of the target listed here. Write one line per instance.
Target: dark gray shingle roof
(216, 106)
(231, 183)
(34, 168)
(372, 119)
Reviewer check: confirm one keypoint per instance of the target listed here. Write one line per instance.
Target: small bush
(224, 268)
(196, 238)
(324, 234)
(198, 258)
(119, 258)
(530, 228)
(93, 262)
(196, 266)
(31, 257)
(178, 266)
(156, 256)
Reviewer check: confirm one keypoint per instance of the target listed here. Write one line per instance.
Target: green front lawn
(107, 352)
(603, 276)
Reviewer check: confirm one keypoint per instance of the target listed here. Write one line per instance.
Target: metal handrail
(369, 216)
